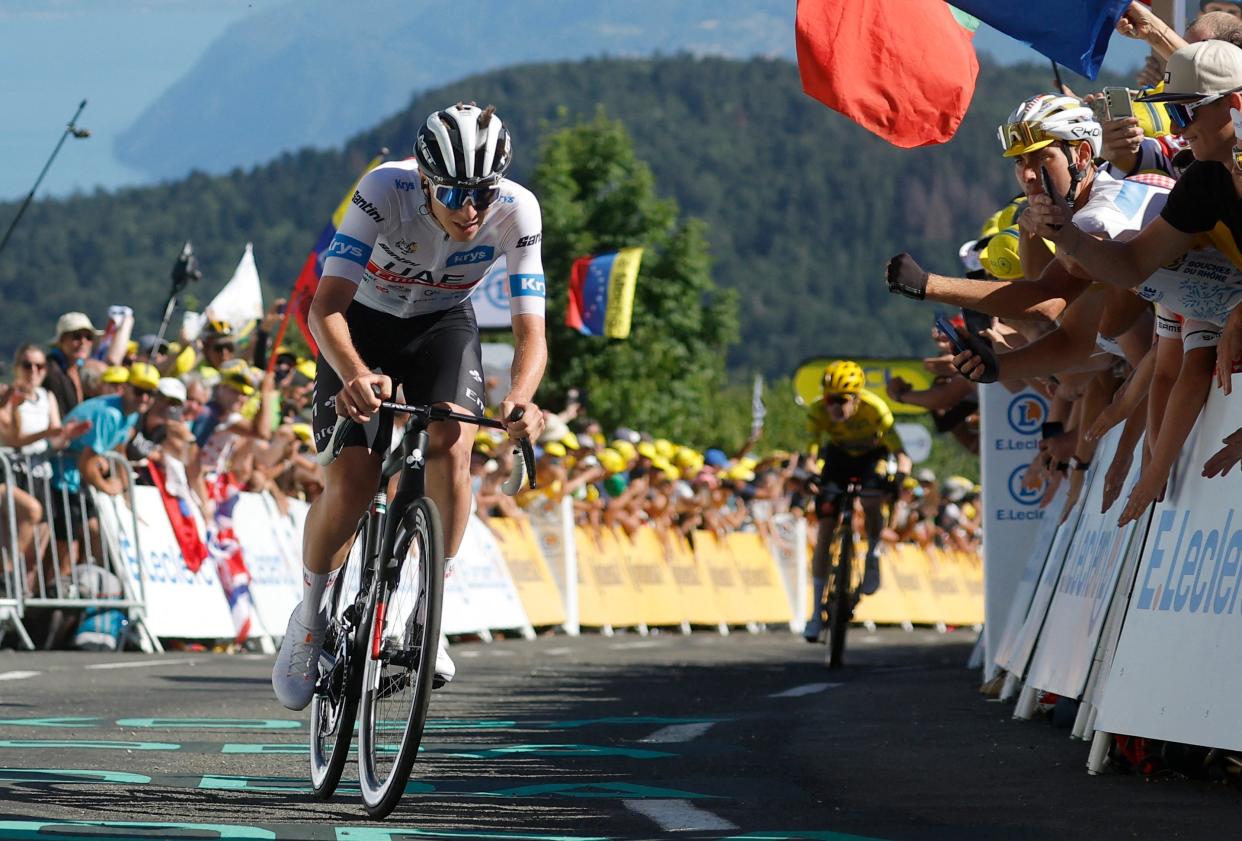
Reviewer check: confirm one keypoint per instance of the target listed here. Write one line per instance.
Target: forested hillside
(802, 206)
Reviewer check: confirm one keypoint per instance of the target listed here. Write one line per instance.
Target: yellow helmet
(844, 377)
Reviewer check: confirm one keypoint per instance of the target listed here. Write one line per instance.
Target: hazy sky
(121, 54)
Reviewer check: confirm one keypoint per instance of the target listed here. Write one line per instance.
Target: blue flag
(1073, 33)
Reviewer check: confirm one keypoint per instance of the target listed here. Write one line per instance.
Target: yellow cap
(664, 447)
(624, 448)
(144, 375)
(236, 375)
(554, 448)
(686, 457)
(647, 450)
(1000, 255)
(303, 431)
(611, 460)
(1152, 117)
(131, 347)
(570, 441)
(307, 368)
(115, 374)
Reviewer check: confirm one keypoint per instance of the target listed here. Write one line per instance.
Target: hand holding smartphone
(1119, 103)
(947, 329)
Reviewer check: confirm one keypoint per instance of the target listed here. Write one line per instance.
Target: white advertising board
(179, 603)
(1025, 591)
(1075, 618)
(1177, 673)
(1009, 436)
(271, 546)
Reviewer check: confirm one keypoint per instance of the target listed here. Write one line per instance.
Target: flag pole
(280, 333)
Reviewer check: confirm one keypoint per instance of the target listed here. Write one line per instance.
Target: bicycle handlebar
(523, 467)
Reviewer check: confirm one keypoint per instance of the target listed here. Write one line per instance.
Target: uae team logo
(1021, 494)
(1026, 413)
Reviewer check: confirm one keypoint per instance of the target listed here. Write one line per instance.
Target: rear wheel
(334, 708)
(401, 659)
(840, 599)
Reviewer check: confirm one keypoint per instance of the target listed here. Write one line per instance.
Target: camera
(186, 268)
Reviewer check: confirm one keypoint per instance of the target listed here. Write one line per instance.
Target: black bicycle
(380, 647)
(844, 578)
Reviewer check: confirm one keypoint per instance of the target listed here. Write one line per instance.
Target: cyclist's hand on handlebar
(361, 396)
(529, 425)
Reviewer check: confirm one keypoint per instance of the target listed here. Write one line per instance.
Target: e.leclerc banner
(1009, 436)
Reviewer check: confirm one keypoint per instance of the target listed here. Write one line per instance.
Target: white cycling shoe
(297, 665)
(445, 670)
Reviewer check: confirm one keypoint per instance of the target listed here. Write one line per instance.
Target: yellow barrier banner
(910, 570)
(949, 583)
(717, 562)
(657, 594)
(605, 557)
(887, 605)
(696, 595)
(518, 546)
(592, 612)
(756, 568)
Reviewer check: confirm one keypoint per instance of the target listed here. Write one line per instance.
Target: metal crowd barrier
(72, 558)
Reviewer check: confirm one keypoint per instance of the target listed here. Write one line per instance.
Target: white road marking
(625, 646)
(806, 689)
(679, 815)
(558, 651)
(17, 675)
(679, 732)
(138, 664)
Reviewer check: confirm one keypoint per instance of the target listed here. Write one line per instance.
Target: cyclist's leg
(448, 371)
(819, 574)
(873, 516)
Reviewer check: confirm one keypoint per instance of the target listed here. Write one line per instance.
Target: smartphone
(1099, 107)
(1048, 188)
(1119, 104)
(950, 333)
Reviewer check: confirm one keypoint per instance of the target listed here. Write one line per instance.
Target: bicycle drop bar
(523, 468)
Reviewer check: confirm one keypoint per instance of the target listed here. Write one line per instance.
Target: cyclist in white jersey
(393, 308)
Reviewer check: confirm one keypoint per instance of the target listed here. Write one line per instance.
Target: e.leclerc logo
(1026, 413)
(1018, 490)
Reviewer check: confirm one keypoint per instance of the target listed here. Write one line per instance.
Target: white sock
(448, 567)
(315, 587)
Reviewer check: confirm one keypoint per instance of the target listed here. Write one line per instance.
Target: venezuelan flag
(601, 293)
(312, 269)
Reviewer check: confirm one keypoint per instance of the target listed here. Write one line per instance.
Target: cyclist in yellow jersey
(854, 429)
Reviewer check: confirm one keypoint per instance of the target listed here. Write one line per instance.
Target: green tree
(597, 197)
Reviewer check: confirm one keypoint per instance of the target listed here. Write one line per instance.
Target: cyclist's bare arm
(1032, 300)
(327, 322)
(530, 356)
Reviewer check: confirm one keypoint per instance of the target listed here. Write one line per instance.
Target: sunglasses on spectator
(1182, 114)
(455, 198)
(80, 336)
(223, 346)
(27, 365)
(143, 392)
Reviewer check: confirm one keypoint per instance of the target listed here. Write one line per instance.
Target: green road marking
(211, 723)
(367, 833)
(83, 744)
(33, 830)
(623, 719)
(59, 721)
(60, 775)
(469, 752)
(284, 747)
(600, 789)
(464, 724)
(796, 835)
(288, 785)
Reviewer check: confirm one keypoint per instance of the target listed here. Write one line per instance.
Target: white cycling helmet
(463, 146)
(1046, 119)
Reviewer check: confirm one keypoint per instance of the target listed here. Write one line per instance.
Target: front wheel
(840, 600)
(401, 658)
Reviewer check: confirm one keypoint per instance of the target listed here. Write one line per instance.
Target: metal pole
(69, 129)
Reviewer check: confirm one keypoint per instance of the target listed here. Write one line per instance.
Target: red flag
(303, 293)
(902, 69)
(184, 527)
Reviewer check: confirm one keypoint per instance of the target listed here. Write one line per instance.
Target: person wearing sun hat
(71, 346)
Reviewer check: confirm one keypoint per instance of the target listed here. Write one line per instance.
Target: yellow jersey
(869, 428)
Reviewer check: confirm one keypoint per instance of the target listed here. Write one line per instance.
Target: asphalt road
(629, 737)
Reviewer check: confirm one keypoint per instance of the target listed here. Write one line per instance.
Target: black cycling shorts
(436, 358)
(840, 467)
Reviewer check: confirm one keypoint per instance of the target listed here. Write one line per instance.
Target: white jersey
(406, 265)
(1119, 209)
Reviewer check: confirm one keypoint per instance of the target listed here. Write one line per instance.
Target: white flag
(757, 410)
(241, 299)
